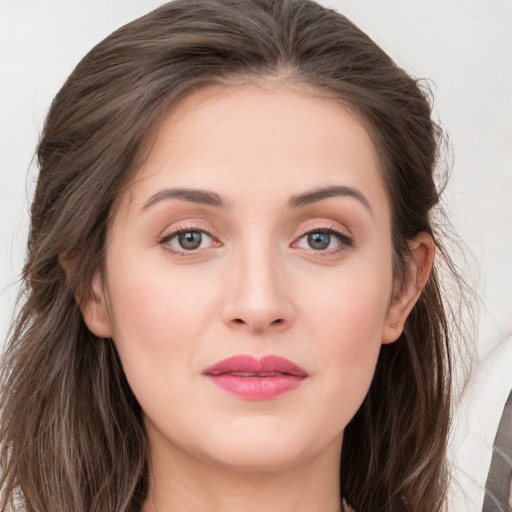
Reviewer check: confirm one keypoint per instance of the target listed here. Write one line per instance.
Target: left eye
(188, 240)
(322, 240)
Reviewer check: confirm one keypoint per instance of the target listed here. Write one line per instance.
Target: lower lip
(257, 388)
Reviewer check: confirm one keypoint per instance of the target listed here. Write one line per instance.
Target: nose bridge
(258, 277)
(258, 298)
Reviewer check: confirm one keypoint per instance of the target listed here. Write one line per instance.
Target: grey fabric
(498, 489)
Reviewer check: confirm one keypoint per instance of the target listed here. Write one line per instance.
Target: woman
(231, 302)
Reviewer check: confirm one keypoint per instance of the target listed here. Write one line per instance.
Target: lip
(256, 379)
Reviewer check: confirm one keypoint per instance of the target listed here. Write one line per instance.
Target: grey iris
(319, 241)
(190, 239)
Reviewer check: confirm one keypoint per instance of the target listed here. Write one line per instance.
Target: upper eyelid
(176, 232)
(184, 229)
(186, 225)
(325, 228)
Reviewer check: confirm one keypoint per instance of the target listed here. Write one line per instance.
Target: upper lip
(248, 365)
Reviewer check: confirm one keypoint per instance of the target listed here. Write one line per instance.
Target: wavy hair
(72, 434)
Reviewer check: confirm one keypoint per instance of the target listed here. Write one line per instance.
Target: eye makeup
(189, 240)
(323, 241)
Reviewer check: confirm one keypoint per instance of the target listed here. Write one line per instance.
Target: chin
(263, 446)
(257, 458)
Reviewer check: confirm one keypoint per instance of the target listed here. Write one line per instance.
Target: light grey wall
(463, 46)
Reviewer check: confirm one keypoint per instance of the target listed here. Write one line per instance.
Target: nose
(257, 298)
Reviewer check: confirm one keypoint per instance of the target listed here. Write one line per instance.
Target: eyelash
(164, 240)
(345, 242)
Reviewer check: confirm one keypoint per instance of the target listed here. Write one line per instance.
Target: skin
(255, 286)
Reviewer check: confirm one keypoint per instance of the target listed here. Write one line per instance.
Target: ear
(94, 306)
(94, 309)
(416, 275)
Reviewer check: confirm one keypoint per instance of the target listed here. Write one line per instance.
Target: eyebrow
(319, 194)
(187, 194)
(209, 198)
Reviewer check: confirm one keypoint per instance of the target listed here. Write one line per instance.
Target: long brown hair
(72, 435)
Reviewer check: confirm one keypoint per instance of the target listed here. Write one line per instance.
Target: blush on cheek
(352, 314)
(152, 317)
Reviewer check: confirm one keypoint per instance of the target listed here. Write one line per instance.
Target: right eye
(187, 240)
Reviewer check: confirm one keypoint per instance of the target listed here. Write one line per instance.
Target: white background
(463, 46)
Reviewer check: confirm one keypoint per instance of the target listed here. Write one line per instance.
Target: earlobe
(421, 260)
(93, 306)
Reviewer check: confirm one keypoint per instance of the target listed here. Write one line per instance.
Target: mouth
(256, 379)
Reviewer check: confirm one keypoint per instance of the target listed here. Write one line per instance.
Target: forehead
(268, 139)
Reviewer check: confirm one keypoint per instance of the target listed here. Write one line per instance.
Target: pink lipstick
(256, 379)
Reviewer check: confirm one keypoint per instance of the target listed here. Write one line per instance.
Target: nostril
(278, 321)
(238, 321)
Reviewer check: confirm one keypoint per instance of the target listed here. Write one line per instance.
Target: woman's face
(248, 282)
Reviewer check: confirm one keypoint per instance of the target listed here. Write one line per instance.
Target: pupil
(190, 239)
(319, 240)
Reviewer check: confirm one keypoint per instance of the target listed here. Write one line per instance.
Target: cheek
(350, 306)
(158, 320)
(350, 314)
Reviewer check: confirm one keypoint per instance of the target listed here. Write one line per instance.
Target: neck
(180, 483)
